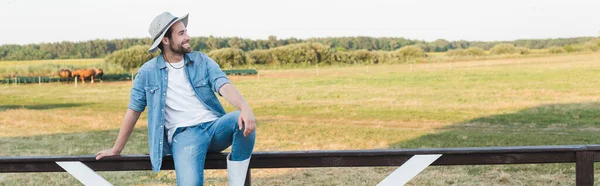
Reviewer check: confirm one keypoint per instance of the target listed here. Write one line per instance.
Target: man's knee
(233, 118)
(235, 114)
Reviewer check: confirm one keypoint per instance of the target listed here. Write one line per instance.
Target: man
(185, 118)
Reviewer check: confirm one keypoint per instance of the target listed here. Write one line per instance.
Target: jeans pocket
(179, 130)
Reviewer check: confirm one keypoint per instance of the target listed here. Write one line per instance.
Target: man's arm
(131, 118)
(221, 84)
(247, 118)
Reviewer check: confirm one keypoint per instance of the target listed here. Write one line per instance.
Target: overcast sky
(35, 21)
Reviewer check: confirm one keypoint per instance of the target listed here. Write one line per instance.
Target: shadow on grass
(40, 106)
(553, 124)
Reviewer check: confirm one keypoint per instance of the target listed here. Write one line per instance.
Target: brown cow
(84, 74)
(99, 73)
(64, 74)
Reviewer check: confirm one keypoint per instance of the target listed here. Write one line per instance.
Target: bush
(596, 41)
(456, 52)
(503, 48)
(132, 57)
(590, 46)
(316, 53)
(260, 57)
(573, 48)
(556, 50)
(474, 51)
(523, 50)
(228, 57)
(360, 56)
(409, 52)
(303, 53)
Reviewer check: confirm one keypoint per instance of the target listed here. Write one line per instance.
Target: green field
(500, 102)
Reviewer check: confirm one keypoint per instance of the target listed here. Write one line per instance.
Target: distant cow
(99, 73)
(84, 74)
(64, 74)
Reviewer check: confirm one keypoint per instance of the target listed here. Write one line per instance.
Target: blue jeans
(190, 145)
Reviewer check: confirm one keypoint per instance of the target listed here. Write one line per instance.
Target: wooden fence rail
(583, 156)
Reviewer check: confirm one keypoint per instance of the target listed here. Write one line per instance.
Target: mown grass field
(501, 102)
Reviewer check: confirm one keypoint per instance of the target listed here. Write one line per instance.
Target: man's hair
(168, 34)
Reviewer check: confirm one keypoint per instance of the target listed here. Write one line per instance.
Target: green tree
(131, 58)
(273, 41)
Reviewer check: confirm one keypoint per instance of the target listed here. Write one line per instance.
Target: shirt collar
(162, 63)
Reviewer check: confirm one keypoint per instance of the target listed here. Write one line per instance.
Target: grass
(434, 57)
(497, 102)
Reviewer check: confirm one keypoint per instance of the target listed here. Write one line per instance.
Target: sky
(37, 21)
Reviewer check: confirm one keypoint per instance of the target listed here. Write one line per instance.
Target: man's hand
(248, 120)
(106, 153)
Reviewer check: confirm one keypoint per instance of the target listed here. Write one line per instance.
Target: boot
(236, 171)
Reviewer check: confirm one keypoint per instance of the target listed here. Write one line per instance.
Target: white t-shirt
(183, 108)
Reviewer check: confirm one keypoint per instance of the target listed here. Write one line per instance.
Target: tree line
(314, 53)
(101, 48)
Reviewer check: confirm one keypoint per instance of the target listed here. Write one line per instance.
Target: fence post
(248, 179)
(584, 168)
(75, 82)
(317, 65)
(39, 80)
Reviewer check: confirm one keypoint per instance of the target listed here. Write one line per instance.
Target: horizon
(303, 39)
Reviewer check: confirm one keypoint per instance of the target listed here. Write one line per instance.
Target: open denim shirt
(150, 89)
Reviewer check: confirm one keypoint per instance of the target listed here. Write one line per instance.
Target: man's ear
(165, 40)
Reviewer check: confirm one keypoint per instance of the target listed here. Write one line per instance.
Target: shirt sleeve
(137, 100)
(216, 76)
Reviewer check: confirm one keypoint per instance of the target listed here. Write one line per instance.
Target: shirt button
(164, 94)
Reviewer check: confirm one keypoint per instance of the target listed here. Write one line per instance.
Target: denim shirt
(150, 89)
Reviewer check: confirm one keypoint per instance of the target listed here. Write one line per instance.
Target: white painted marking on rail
(82, 173)
(409, 169)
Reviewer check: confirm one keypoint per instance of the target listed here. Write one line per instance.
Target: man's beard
(179, 49)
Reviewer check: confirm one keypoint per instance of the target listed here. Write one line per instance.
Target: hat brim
(158, 40)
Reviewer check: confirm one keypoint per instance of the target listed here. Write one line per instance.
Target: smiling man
(185, 117)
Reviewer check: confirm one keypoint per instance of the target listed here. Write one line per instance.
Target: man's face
(180, 40)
